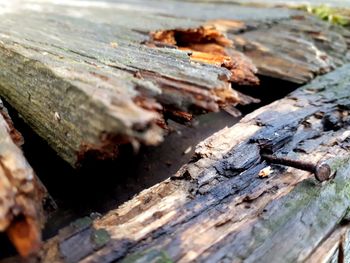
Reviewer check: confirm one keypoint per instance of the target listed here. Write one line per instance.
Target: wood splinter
(21, 192)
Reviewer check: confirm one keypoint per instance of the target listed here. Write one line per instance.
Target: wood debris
(266, 172)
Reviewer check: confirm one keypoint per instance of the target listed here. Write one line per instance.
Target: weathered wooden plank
(112, 84)
(21, 192)
(217, 209)
(88, 77)
(296, 50)
(277, 44)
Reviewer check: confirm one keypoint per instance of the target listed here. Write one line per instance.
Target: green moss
(82, 223)
(100, 237)
(149, 256)
(338, 162)
(306, 192)
(334, 15)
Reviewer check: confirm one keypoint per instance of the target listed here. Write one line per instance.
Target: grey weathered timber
(88, 76)
(296, 50)
(21, 192)
(217, 209)
(89, 86)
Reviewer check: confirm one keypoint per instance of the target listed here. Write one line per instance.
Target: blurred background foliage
(338, 16)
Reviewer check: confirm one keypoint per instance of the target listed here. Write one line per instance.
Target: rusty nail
(321, 170)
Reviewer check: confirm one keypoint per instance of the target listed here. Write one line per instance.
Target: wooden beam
(217, 208)
(88, 76)
(90, 85)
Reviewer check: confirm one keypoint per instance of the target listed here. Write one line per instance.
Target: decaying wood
(91, 76)
(88, 85)
(217, 209)
(208, 45)
(21, 192)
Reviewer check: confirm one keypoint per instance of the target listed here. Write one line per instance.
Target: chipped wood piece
(263, 173)
(21, 192)
(217, 209)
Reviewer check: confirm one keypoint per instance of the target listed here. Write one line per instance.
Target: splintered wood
(21, 193)
(90, 77)
(208, 45)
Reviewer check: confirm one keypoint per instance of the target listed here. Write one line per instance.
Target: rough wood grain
(87, 78)
(217, 209)
(87, 85)
(21, 192)
(296, 50)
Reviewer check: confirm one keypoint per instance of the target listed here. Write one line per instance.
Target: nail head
(322, 172)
